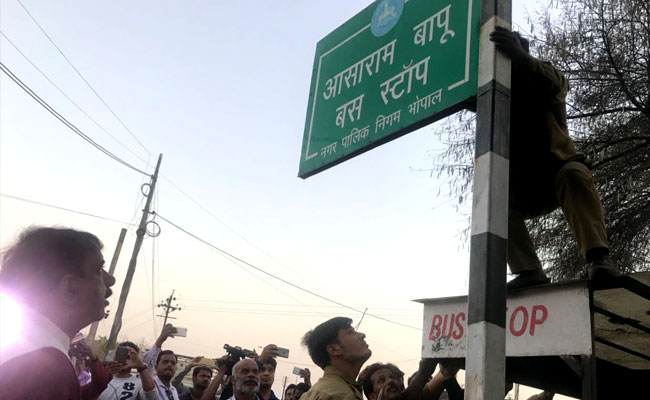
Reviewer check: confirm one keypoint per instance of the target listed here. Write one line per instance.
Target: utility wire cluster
(61, 118)
(235, 258)
(83, 78)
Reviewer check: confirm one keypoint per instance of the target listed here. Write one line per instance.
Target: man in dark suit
(57, 278)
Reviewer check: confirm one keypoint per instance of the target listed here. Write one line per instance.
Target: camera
(236, 353)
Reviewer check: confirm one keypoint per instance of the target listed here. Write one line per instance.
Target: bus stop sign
(394, 67)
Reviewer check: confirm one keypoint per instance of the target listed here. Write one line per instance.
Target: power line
(277, 313)
(284, 312)
(82, 77)
(285, 304)
(232, 256)
(64, 209)
(233, 230)
(67, 123)
(69, 99)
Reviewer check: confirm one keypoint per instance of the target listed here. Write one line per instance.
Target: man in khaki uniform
(340, 351)
(546, 171)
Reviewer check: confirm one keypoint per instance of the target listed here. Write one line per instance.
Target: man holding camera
(124, 385)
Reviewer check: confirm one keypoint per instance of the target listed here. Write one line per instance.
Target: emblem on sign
(386, 16)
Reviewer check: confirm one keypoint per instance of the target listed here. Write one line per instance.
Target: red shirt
(41, 374)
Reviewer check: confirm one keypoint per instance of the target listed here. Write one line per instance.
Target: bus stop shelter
(583, 339)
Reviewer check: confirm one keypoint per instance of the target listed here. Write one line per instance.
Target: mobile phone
(76, 349)
(282, 352)
(121, 354)
(297, 371)
(182, 332)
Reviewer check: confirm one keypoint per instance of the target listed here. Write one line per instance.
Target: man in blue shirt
(267, 365)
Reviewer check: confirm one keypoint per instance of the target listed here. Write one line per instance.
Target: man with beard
(340, 351)
(165, 370)
(386, 381)
(57, 277)
(178, 379)
(201, 376)
(210, 392)
(124, 385)
(245, 380)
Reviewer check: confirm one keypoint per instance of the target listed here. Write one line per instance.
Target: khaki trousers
(576, 194)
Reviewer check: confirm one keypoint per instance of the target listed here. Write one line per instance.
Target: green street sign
(394, 67)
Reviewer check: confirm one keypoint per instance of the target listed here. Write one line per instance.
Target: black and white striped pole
(486, 344)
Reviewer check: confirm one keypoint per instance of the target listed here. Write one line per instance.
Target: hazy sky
(221, 89)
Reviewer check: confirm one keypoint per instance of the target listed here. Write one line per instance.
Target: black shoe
(602, 269)
(527, 279)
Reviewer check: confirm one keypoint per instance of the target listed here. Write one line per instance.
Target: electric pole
(126, 286)
(167, 306)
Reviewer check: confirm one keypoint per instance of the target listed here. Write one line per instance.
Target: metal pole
(589, 383)
(116, 255)
(126, 286)
(485, 362)
(284, 386)
(168, 307)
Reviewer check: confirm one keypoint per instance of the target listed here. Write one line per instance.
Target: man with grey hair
(245, 381)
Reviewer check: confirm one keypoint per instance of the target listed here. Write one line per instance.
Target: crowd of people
(58, 277)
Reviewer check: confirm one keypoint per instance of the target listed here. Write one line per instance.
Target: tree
(603, 48)
(98, 346)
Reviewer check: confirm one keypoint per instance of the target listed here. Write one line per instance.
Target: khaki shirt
(334, 385)
(538, 115)
(539, 138)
